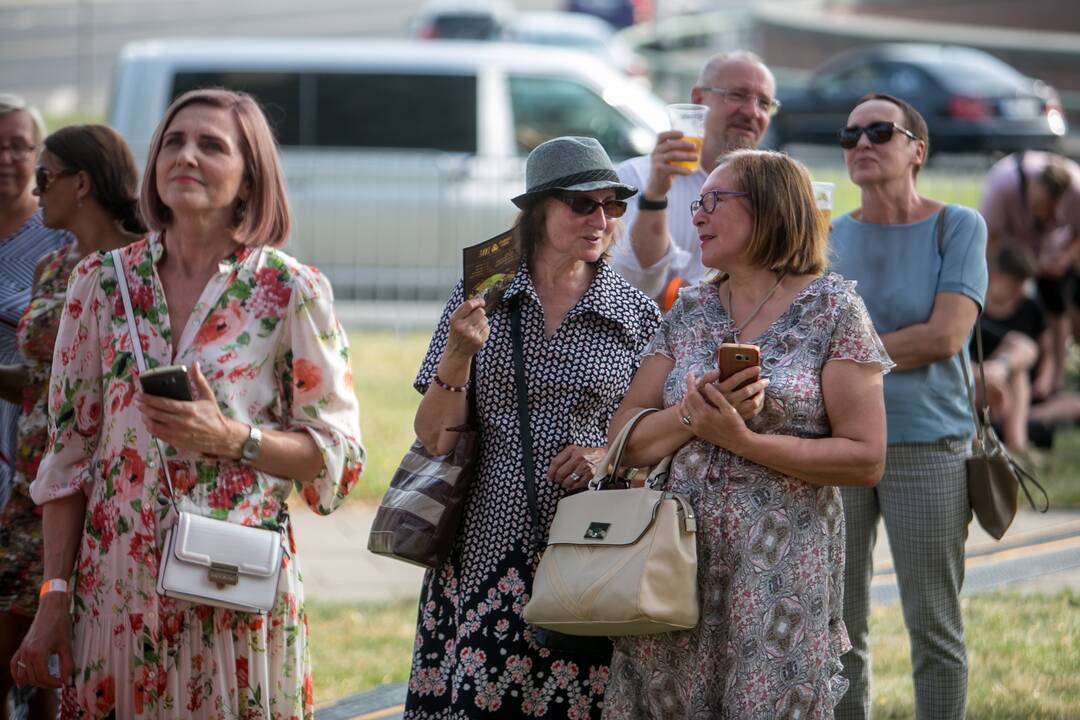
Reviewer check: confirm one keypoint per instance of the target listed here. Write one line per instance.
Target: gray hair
(713, 64)
(13, 103)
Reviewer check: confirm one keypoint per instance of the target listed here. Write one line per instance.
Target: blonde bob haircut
(263, 219)
(788, 234)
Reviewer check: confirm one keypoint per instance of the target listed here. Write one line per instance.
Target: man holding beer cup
(738, 93)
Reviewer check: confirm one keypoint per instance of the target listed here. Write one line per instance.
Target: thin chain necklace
(739, 327)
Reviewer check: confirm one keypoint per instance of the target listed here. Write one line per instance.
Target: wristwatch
(250, 449)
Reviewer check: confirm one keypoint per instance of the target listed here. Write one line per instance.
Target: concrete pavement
(1039, 553)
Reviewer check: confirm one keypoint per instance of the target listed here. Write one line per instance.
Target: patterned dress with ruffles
(770, 547)
(20, 523)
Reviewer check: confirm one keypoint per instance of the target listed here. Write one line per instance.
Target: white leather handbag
(203, 560)
(618, 562)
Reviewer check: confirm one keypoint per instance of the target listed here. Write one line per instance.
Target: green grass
(384, 365)
(1023, 649)
(356, 647)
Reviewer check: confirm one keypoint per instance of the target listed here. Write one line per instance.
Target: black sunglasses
(43, 177)
(877, 133)
(581, 205)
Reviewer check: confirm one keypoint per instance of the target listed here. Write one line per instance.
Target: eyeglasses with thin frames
(581, 205)
(769, 106)
(708, 201)
(18, 150)
(44, 177)
(876, 132)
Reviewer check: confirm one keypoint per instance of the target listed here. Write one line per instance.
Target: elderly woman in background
(87, 184)
(273, 406)
(582, 329)
(921, 269)
(770, 525)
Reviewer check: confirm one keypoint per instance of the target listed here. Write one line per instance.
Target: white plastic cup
(689, 119)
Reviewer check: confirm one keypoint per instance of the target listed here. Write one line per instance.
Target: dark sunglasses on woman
(43, 177)
(581, 205)
(878, 133)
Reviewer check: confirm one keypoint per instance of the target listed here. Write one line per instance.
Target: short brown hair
(102, 154)
(1055, 178)
(788, 234)
(1014, 260)
(913, 120)
(264, 219)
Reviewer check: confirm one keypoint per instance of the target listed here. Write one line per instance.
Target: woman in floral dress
(583, 328)
(257, 330)
(770, 524)
(87, 184)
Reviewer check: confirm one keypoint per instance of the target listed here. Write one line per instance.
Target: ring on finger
(574, 477)
(687, 420)
(21, 664)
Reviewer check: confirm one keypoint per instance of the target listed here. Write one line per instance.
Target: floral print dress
(264, 333)
(770, 547)
(20, 523)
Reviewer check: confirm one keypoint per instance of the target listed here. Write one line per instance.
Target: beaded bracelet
(450, 388)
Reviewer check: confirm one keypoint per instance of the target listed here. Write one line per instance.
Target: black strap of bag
(598, 647)
(981, 416)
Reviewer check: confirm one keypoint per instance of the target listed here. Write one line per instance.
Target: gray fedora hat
(571, 164)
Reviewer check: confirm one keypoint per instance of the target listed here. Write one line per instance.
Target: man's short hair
(713, 64)
(1055, 178)
(1014, 260)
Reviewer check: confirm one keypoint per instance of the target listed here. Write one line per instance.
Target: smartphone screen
(170, 381)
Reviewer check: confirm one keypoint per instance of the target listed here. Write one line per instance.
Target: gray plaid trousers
(923, 499)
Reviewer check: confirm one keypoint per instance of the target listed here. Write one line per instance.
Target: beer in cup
(689, 119)
(823, 192)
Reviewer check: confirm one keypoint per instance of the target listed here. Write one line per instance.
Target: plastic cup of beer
(689, 119)
(823, 192)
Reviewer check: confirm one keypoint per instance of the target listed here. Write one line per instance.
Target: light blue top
(900, 269)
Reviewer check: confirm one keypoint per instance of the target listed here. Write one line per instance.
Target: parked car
(972, 101)
(620, 13)
(579, 32)
(462, 19)
(397, 154)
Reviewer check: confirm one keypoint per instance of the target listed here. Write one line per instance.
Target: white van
(397, 154)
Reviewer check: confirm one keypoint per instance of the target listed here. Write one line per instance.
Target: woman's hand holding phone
(196, 425)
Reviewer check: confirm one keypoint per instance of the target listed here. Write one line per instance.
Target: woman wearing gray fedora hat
(582, 328)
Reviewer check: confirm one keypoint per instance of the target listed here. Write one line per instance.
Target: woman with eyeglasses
(87, 184)
(582, 329)
(921, 268)
(759, 462)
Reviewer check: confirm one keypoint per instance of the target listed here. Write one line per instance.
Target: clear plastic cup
(690, 120)
(823, 198)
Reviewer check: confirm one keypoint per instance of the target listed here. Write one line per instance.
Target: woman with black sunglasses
(582, 327)
(87, 184)
(921, 268)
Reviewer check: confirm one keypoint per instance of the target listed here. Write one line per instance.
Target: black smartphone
(170, 381)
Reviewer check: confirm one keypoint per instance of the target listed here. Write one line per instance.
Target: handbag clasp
(597, 531)
(222, 574)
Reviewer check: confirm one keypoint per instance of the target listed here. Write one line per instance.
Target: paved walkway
(1040, 553)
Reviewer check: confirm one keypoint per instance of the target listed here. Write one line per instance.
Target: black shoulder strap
(524, 432)
(941, 231)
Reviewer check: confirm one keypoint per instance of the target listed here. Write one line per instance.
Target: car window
(851, 82)
(424, 112)
(277, 93)
(902, 81)
(545, 108)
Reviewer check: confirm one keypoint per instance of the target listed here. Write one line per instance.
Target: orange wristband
(54, 585)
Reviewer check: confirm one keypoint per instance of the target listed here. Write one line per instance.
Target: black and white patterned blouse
(474, 654)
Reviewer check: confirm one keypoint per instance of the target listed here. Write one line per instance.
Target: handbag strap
(524, 431)
(985, 440)
(613, 459)
(140, 360)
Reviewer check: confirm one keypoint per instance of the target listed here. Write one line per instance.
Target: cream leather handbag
(618, 562)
